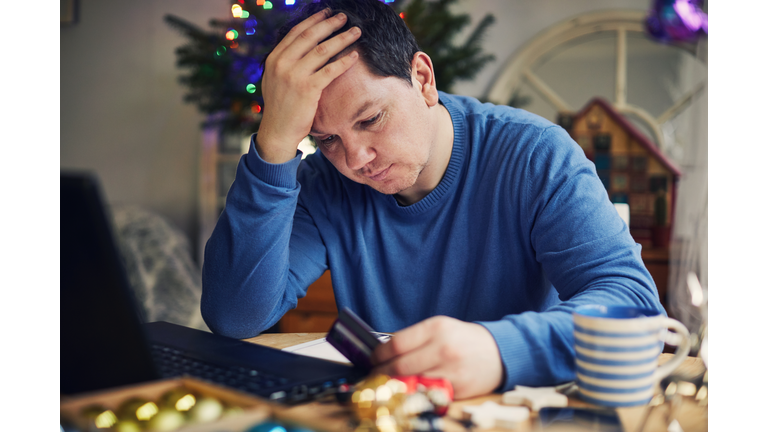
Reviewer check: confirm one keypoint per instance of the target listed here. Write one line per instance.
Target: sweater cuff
(279, 175)
(515, 353)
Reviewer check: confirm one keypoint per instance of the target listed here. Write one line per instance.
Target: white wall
(122, 113)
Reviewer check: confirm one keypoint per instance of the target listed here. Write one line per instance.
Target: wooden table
(332, 416)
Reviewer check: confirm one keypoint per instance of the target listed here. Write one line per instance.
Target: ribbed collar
(452, 172)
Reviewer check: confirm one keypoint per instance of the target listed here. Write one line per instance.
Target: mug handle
(683, 341)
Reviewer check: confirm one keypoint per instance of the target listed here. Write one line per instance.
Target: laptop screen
(102, 344)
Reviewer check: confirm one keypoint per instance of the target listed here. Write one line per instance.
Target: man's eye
(372, 120)
(328, 140)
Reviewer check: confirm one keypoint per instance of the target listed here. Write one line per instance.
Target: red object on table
(415, 383)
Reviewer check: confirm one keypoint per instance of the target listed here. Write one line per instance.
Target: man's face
(376, 131)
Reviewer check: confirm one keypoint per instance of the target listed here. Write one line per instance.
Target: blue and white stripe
(615, 362)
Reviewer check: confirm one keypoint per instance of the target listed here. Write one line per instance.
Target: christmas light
(677, 20)
(251, 69)
(290, 2)
(255, 108)
(250, 26)
(402, 15)
(237, 11)
(267, 5)
(221, 50)
(185, 402)
(251, 88)
(105, 420)
(231, 34)
(246, 14)
(260, 2)
(234, 45)
(146, 411)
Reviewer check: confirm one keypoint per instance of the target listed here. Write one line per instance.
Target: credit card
(353, 338)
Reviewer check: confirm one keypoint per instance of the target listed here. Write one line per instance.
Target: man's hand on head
(295, 74)
(464, 353)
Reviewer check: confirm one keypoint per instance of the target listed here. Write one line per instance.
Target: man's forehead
(345, 111)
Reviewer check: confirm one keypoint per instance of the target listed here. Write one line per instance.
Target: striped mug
(617, 351)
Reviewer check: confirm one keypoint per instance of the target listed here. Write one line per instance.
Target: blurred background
(124, 116)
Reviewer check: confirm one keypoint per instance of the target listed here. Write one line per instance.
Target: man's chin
(394, 186)
(391, 186)
(388, 189)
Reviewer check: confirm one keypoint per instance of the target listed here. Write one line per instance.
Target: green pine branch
(434, 26)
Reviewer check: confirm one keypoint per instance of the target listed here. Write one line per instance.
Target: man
(470, 230)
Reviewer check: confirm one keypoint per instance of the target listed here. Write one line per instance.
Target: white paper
(320, 348)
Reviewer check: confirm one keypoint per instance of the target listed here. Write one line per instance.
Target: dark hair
(386, 45)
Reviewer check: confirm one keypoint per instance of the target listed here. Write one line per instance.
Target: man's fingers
(299, 28)
(404, 341)
(333, 70)
(308, 39)
(319, 56)
(464, 353)
(418, 361)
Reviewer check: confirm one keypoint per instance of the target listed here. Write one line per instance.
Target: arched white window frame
(518, 68)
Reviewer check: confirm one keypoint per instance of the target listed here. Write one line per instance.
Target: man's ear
(423, 77)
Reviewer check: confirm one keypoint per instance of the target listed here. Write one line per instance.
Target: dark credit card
(352, 337)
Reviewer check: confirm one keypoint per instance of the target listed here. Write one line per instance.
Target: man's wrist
(276, 174)
(272, 152)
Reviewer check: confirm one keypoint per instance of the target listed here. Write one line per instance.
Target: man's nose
(359, 153)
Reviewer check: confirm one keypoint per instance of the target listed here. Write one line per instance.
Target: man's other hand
(464, 353)
(295, 74)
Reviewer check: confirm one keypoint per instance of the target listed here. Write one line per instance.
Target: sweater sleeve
(586, 252)
(264, 251)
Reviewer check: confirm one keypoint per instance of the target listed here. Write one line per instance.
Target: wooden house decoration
(631, 167)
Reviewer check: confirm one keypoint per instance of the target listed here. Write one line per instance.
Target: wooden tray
(255, 410)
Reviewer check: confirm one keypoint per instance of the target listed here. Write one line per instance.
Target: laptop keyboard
(173, 363)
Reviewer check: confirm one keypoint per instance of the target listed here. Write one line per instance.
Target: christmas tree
(224, 63)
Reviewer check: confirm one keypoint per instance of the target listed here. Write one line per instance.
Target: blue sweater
(518, 232)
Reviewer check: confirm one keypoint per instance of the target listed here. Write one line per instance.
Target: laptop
(104, 343)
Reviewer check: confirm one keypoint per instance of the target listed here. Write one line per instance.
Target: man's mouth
(380, 175)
